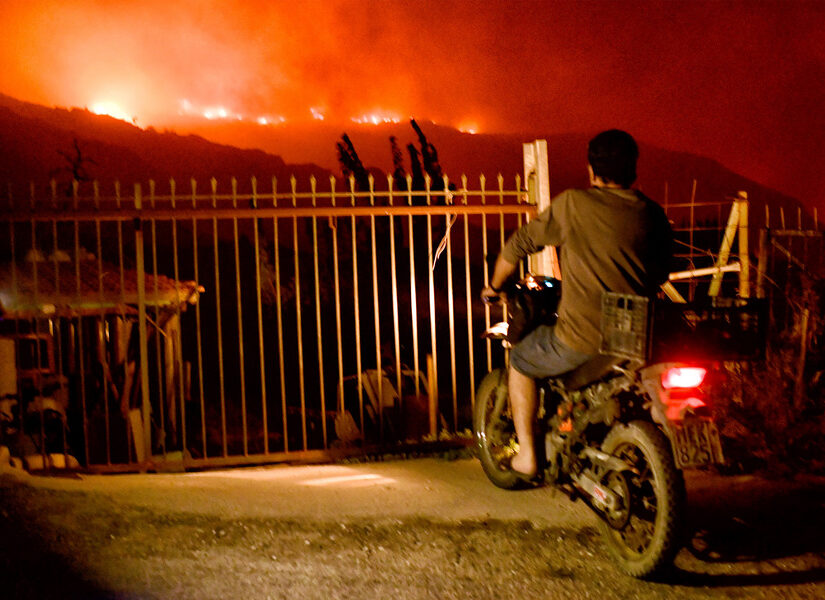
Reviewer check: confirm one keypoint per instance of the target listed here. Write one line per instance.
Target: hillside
(33, 137)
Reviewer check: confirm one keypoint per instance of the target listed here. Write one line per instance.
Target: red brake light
(683, 377)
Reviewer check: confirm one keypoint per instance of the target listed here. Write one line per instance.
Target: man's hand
(491, 296)
(501, 272)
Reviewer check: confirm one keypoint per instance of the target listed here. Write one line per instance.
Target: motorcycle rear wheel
(493, 428)
(652, 495)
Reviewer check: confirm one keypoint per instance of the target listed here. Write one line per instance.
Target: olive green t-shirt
(616, 240)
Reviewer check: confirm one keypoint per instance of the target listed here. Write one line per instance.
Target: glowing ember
(317, 113)
(377, 118)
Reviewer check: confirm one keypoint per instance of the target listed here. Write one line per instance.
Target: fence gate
(206, 327)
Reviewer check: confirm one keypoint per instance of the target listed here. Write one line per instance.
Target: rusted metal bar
(178, 349)
(468, 297)
(241, 354)
(280, 315)
(356, 309)
(198, 336)
(376, 317)
(298, 320)
(413, 293)
(146, 408)
(259, 307)
(394, 284)
(318, 324)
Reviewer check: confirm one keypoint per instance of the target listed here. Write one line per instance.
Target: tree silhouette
(423, 161)
(351, 164)
(76, 167)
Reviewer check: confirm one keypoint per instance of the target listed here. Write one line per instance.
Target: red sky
(740, 82)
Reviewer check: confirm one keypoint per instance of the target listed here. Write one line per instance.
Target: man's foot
(524, 465)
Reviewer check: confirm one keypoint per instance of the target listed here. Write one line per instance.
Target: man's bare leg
(522, 390)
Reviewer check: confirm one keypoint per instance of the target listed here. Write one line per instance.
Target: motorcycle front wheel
(494, 431)
(642, 533)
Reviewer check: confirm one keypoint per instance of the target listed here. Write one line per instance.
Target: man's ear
(591, 175)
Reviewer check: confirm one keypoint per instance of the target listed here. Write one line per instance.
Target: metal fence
(233, 325)
(238, 326)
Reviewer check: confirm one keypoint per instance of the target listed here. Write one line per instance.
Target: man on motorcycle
(610, 238)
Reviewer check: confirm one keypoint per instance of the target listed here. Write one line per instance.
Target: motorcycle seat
(590, 371)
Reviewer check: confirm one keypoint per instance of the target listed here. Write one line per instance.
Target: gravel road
(426, 528)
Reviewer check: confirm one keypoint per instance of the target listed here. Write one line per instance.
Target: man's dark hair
(613, 155)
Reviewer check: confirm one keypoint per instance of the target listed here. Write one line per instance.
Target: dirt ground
(426, 528)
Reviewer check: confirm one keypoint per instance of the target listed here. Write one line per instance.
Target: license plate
(696, 443)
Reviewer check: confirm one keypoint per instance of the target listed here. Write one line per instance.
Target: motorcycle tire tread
(668, 538)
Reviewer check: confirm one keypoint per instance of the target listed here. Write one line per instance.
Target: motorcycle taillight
(681, 390)
(683, 377)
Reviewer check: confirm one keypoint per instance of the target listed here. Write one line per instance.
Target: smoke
(738, 81)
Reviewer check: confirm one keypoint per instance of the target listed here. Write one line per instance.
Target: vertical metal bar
(431, 283)
(159, 368)
(318, 332)
(468, 293)
(340, 390)
(80, 325)
(35, 256)
(449, 221)
(261, 356)
(144, 358)
(178, 339)
(357, 310)
(298, 325)
(376, 316)
(56, 347)
(486, 267)
(413, 292)
(395, 328)
(241, 359)
(279, 311)
(198, 334)
(502, 237)
(124, 400)
(101, 342)
(215, 254)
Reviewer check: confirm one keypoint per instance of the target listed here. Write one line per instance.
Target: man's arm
(501, 272)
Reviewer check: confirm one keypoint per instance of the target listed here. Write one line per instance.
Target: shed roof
(84, 287)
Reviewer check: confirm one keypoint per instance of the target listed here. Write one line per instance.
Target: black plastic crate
(709, 329)
(624, 325)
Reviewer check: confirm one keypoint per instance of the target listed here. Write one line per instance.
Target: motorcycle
(618, 431)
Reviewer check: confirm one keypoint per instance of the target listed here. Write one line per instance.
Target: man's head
(612, 156)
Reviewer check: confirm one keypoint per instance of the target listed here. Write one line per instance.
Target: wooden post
(799, 388)
(537, 178)
(762, 265)
(724, 250)
(744, 257)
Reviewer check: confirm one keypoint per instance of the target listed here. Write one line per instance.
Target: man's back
(611, 240)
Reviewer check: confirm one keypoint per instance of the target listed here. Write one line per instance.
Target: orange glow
(498, 71)
(377, 118)
(470, 127)
(106, 107)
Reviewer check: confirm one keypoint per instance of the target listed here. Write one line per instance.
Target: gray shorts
(541, 354)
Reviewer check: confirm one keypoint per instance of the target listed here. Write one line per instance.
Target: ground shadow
(32, 564)
(745, 531)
